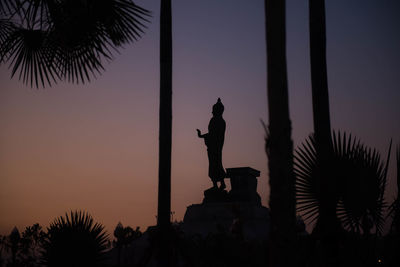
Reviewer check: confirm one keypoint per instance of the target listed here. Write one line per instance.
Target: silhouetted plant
(31, 245)
(51, 40)
(360, 179)
(124, 237)
(3, 248)
(394, 209)
(119, 234)
(279, 145)
(75, 240)
(14, 244)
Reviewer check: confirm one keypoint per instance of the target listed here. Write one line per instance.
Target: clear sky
(95, 146)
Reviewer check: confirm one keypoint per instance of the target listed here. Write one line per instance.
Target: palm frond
(30, 53)
(6, 6)
(6, 30)
(307, 191)
(74, 239)
(359, 178)
(68, 40)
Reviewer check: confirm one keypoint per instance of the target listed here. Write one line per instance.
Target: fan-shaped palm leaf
(359, 176)
(74, 240)
(6, 6)
(361, 205)
(307, 187)
(66, 39)
(29, 52)
(6, 30)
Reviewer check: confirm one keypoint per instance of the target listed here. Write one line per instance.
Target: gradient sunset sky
(94, 147)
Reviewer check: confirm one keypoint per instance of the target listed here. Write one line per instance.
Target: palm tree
(31, 243)
(50, 40)
(279, 145)
(319, 76)
(327, 223)
(360, 174)
(165, 134)
(75, 240)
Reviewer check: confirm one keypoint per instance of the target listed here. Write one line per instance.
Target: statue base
(214, 194)
(236, 212)
(212, 218)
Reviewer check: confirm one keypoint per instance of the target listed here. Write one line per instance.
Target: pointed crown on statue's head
(218, 108)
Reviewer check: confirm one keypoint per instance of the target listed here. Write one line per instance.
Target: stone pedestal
(244, 184)
(220, 209)
(204, 219)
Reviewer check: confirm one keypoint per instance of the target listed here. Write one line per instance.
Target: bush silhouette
(75, 240)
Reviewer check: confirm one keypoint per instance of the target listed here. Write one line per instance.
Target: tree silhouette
(124, 237)
(319, 76)
(3, 248)
(75, 240)
(50, 40)
(279, 145)
(14, 243)
(394, 209)
(165, 135)
(327, 223)
(31, 245)
(361, 177)
(164, 171)
(120, 235)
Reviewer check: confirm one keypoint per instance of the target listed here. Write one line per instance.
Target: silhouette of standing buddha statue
(214, 141)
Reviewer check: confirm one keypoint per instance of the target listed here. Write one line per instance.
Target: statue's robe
(214, 140)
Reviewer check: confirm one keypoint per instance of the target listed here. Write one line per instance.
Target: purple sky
(94, 146)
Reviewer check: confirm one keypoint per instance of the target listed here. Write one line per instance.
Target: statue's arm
(199, 134)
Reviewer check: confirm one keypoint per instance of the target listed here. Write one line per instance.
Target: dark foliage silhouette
(392, 240)
(24, 247)
(279, 145)
(31, 245)
(14, 244)
(223, 249)
(3, 248)
(75, 240)
(124, 237)
(394, 209)
(217, 249)
(51, 40)
(360, 176)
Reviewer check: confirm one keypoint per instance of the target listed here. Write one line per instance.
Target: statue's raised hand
(198, 133)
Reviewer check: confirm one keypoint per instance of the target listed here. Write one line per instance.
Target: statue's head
(218, 108)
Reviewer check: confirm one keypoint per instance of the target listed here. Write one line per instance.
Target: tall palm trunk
(279, 144)
(327, 221)
(164, 164)
(165, 134)
(327, 228)
(319, 77)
